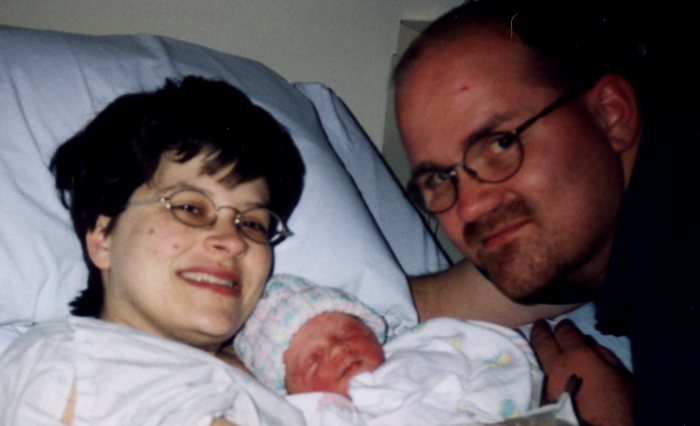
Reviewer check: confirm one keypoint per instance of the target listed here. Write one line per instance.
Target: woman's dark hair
(99, 168)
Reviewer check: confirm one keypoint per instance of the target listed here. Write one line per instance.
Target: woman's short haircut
(99, 168)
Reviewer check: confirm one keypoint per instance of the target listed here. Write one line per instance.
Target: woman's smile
(215, 273)
(221, 281)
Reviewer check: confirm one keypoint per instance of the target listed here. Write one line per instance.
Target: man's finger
(607, 354)
(544, 344)
(568, 336)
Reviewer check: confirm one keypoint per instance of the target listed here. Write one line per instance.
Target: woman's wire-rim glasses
(195, 209)
(491, 159)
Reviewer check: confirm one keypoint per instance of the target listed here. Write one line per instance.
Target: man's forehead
(491, 46)
(458, 90)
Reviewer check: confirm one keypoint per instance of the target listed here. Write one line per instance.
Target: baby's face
(328, 351)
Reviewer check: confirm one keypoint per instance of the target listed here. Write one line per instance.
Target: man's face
(554, 219)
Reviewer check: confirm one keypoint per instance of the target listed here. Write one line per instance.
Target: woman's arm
(68, 412)
(222, 422)
(463, 292)
(67, 418)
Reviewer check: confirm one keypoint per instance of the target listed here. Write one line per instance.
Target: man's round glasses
(194, 208)
(493, 158)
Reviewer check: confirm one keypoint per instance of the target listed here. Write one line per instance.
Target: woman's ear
(614, 105)
(97, 242)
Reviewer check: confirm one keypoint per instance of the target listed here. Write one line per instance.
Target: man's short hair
(572, 42)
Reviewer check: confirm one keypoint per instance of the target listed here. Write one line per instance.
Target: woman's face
(193, 285)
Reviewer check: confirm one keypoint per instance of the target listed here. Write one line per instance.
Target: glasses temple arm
(567, 97)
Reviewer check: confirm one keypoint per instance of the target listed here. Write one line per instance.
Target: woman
(177, 197)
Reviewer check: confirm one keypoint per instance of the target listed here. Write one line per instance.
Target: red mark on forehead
(463, 88)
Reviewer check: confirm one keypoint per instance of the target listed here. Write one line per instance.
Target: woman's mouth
(225, 283)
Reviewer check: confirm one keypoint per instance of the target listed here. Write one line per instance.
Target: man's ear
(614, 105)
(97, 242)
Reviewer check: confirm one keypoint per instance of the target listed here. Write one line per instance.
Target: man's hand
(605, 393)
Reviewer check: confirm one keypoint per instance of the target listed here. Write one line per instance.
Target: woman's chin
(216, 328)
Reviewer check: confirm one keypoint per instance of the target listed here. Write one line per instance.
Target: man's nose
(474, 198)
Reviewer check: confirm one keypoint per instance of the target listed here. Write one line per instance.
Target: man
(547, 157)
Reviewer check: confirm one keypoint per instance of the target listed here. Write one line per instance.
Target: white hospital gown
(126, 377)
(444, 371)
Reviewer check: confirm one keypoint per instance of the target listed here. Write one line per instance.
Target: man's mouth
(502, 235)
(499, 227)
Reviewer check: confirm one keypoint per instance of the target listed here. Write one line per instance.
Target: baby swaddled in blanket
(323, 349)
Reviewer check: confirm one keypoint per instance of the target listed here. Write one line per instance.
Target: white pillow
(415, 248)
(52, 84)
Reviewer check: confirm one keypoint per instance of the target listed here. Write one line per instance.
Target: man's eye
(500, 144)
(436, 179)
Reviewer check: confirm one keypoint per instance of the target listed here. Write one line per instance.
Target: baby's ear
(97, 241)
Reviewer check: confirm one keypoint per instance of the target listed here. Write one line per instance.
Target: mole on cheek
(151, 231)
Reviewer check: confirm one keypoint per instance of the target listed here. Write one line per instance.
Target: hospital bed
(353, 229)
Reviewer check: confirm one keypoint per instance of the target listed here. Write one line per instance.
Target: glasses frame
(415, 192)
(280, 236)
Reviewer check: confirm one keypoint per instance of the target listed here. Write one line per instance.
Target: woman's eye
(254, 225)
(190, 209)
(254, 229)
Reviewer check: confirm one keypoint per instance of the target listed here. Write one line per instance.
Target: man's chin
(556, 294)
(539, 291)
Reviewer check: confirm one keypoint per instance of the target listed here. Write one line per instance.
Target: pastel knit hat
(288, 302)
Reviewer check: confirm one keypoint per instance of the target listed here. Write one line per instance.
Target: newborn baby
(322, 348)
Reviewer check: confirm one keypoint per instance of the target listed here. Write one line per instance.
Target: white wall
(346, 44)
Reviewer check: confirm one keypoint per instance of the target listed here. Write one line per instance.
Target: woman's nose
(226, 237)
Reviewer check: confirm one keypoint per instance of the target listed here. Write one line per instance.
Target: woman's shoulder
(61, 338)
(51, 333)
(37, 366)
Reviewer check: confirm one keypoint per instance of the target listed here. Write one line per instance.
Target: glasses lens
(433, 190)
(192, 208)
(494, 159)
(261, 225)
